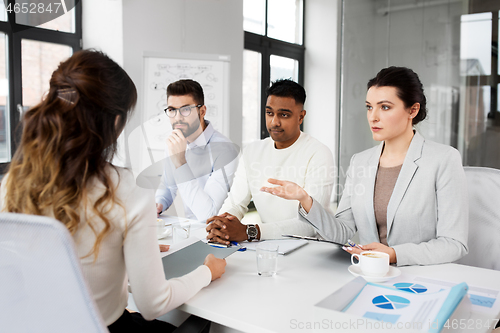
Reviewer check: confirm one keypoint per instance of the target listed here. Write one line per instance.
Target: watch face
(252, 231)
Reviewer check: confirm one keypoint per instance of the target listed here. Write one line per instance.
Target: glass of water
(181, 230)
(267, 259)
(162, 230)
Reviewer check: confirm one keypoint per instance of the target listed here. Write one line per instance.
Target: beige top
(133, 259)
(384, 185)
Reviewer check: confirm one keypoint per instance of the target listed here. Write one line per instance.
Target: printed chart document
(427, 311)
(483, 301)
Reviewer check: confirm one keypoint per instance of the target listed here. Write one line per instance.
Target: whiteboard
(161, 69)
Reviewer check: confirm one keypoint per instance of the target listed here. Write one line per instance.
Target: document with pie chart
(407, 303)
(484, 301)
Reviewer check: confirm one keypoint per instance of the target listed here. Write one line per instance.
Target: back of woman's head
(69, 138)
(89, 100)
(409, 88)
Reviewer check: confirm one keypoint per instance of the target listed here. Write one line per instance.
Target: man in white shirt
(200, 161)
(288, 154)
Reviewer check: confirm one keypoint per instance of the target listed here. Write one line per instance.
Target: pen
(241, 249)
(352, 244)
(224, 246)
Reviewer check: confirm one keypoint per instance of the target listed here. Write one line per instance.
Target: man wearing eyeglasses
(200, 161)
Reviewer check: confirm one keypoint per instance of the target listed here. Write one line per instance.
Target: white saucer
(167, 232)
(393, 272)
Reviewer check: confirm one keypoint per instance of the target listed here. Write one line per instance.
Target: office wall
(424, 39)
(321, 70)
(190, 26)
(103, 27)
(381, 34)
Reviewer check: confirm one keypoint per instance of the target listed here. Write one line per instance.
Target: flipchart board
(211, 71)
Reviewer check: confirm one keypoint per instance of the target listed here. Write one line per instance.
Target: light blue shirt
(204, 181)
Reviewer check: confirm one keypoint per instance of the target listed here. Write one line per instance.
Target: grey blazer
(427, 214)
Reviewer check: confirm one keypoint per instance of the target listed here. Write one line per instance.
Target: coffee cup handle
(352, 259)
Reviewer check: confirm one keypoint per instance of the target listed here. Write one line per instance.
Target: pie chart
(411, 287)
(390, 302)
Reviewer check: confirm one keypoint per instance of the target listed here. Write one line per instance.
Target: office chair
(42, 288)
(483, 185)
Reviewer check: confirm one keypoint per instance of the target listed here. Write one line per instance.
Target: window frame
(15, 33)
(268, 46)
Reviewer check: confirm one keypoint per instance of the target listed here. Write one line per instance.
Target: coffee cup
(372, 263)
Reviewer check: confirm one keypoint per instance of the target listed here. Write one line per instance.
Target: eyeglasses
(184, 111)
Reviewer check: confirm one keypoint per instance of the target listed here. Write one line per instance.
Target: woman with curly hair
(62, 170)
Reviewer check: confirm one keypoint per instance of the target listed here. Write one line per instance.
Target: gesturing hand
(290, 191)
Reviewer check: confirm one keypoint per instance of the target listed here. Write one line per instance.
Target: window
(475, 44)
(33, 41)
(274, 50)
(284, 20)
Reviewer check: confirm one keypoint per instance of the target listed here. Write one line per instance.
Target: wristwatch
(252, 232)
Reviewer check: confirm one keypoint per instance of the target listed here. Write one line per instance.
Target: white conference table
(242, 300)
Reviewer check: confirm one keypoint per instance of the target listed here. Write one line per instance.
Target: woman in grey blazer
(407, 196)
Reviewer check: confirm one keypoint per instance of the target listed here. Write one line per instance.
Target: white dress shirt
(205, 179)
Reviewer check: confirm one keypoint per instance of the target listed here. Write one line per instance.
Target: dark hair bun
(409, 88)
